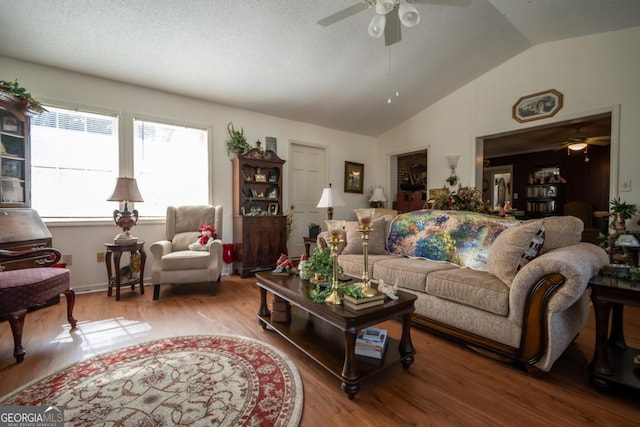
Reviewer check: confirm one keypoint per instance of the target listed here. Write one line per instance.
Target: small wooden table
(612, 359)
(327, 333)
(308, 241)
(116, 251)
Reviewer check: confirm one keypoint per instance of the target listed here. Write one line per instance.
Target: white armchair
(173, 262)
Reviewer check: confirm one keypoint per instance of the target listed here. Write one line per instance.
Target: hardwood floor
(448, 384)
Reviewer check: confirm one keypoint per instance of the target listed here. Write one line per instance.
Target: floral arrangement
(14, 89)
(462, 199)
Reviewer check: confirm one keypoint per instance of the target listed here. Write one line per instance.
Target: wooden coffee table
(327, 332)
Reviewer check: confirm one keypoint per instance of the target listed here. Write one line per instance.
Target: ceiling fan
(579, 142)
(389, 14)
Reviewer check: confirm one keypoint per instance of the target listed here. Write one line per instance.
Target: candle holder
(365, 219)
(335, 238)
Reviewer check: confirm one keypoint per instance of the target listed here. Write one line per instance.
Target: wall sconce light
(453, 164)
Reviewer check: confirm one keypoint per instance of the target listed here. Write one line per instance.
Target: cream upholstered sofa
(173, 262)
(529, 313)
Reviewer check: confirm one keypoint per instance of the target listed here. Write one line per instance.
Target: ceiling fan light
(384, 6)
(409, 15)
(376, 26)
(577, 146)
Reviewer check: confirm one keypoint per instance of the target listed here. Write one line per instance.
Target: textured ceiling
(272, 56)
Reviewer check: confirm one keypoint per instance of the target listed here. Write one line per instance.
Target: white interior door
(307, 178)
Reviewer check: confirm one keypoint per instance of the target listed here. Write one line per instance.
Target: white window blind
(171, 166)
(74, 163)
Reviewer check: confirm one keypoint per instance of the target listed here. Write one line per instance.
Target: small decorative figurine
(284, 264)
(207, 234)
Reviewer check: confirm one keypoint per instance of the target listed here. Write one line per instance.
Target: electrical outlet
(100, 257)
(67, 259)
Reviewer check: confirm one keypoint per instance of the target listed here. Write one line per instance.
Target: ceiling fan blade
(602, 141)
(343, 14)
(445, 2)
(392, 29)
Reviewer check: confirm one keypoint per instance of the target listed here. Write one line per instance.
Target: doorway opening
(588, 178)
(409, 180)
(497, 185)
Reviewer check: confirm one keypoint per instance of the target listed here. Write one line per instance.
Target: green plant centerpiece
(237, 142)
(319, 266)
(621, 211)
(319, 270)
(23, 96)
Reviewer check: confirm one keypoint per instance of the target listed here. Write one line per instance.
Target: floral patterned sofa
(515, 288)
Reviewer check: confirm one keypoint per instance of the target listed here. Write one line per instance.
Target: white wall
(83, 241)
(595, 73)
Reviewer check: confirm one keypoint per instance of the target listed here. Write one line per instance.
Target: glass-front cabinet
(544, 200)
(14, 154)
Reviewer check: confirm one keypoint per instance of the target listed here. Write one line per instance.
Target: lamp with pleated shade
(126, 191)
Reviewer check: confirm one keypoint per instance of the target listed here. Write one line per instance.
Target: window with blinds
(74, 163)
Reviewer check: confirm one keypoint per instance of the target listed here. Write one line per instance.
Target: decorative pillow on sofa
(535, 248)
(509, 246)
(376, 238)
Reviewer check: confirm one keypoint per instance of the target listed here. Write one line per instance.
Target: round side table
(115, 251)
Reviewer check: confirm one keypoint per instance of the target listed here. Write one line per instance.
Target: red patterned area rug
(189, 381)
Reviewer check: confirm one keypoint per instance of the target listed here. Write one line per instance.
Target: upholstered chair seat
(26, 288)
(173, 261)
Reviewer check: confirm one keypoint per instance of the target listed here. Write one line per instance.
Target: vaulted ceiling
(272, 56)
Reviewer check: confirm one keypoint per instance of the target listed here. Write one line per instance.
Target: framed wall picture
(272, 144)
(537, 106)
(353, 177)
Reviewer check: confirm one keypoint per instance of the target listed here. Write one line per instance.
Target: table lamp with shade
(329, 199)
(377, 198)
(126, 191)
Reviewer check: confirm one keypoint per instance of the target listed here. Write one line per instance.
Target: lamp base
(367, 290)
(125, 239)
(333, 298)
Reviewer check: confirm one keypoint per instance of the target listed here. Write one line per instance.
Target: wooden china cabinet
(259, 224)
(21, 228)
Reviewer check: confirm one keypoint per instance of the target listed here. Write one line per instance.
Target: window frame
(125, 137)
(130, 170)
